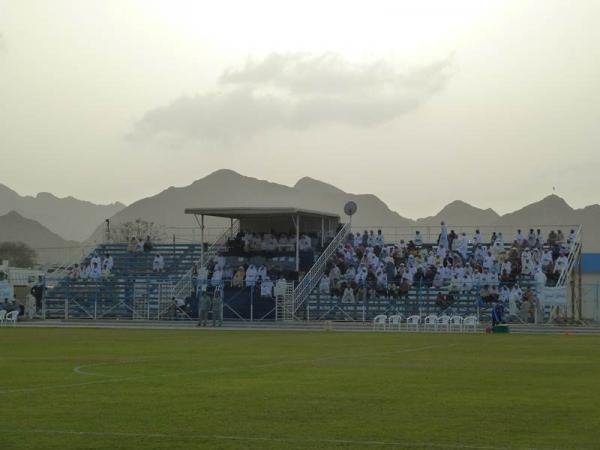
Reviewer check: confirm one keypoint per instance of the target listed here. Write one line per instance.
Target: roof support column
(202, 240)
(322, 232)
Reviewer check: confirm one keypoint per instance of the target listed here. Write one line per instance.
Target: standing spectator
(519, 238)
(147, 247)
(477, 238)
(443, 240)
(37, 290)
(418, 240)
(379, 239)
(203, 307)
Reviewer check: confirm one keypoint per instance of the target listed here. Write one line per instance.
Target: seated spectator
(238, 278)
(132, 245)
(561, 263)
(540, 278)
(262, 272)
(251, 275)
(514, 300)
(348, 296)
(305, 243)
(75, 272)
(325, 285)
(526, 263)
(108, 262)
(266, 288)
(158, 264)
(140, 246)
(217, 276)
(95, 271)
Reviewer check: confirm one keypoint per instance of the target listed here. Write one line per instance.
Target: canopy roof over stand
(267, 219)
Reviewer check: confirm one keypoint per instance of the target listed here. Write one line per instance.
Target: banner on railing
(554, 296)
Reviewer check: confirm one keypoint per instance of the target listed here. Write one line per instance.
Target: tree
(18, 254)
(138, 228)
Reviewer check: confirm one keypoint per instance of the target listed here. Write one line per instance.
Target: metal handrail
(60, 272)
(184, 285)
(573, 253)
(313, 276)
(429, 233)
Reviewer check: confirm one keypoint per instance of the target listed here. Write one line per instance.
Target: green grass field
(148, 389)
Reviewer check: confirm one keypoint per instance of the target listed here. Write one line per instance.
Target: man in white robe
(526, 263)
(251, 275)
(266, 288)
(158, 263)
(325, 285)
(519, 238)
(561, 263)
(443, 235)
(95, 271)
(462, 245)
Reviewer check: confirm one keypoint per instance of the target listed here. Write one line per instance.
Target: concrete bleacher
(132, 291)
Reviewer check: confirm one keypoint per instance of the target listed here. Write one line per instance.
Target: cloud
(296, 91)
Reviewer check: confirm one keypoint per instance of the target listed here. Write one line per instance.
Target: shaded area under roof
(245, 213)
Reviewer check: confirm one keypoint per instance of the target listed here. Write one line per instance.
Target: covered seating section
(288, 222)
(263, 246)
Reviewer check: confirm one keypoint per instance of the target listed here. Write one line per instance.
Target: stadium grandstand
(292, 264)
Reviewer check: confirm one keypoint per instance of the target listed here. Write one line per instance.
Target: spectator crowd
(364, 267)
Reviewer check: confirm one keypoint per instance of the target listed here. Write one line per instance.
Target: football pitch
(184, 389)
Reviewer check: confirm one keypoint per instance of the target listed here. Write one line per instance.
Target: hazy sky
(419, 102)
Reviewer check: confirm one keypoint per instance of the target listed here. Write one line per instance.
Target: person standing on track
(217, 307)
(203, 307)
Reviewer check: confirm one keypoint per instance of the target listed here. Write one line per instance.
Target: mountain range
(74, 219)
(49, 246)
(70, 218)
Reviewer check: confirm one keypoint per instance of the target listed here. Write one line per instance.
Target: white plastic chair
(430, 322)
(470, 322)
(11, 317)
(2, 316)
(394, 321)
(379, 320)
(443, 322)
(456, 322)
(413, 321)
